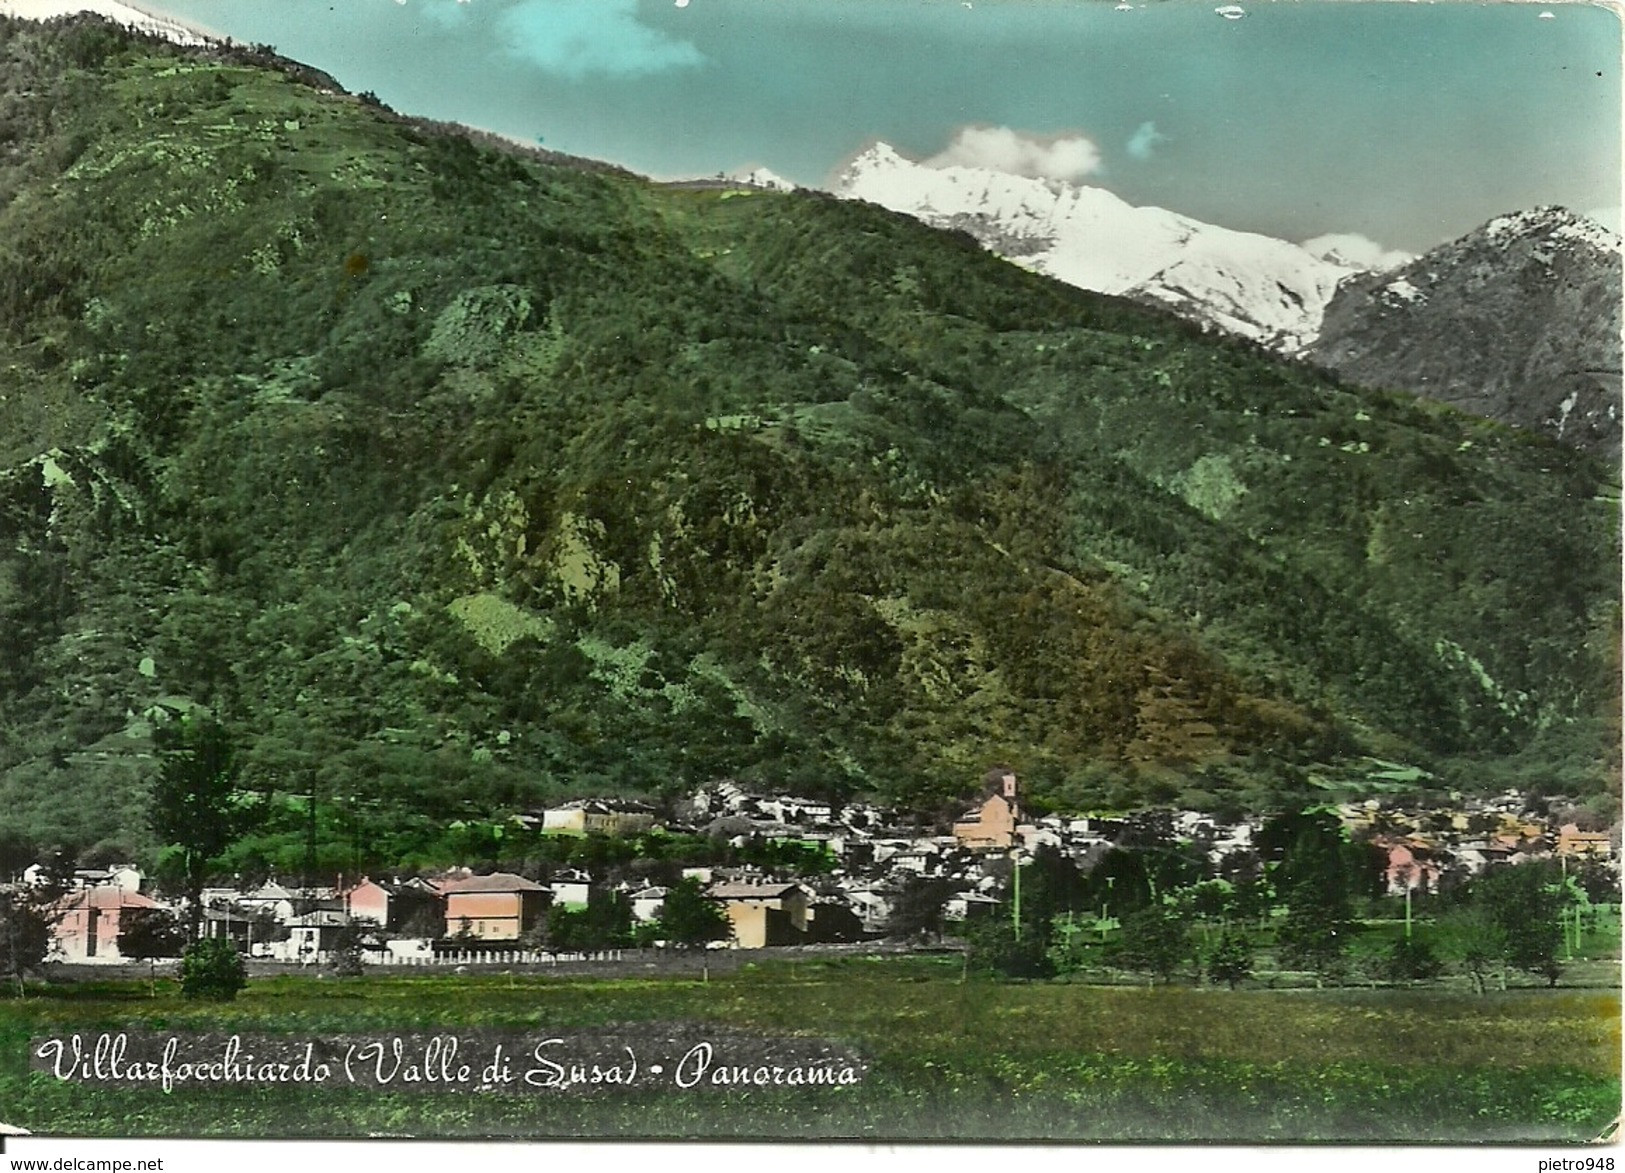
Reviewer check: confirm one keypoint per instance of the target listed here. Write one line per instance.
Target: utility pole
(310, 835)
(355, 835)
(1015, 905)
(1409, 885)
(1007, 788)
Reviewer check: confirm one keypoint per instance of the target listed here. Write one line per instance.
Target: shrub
(995, 948)
(345, 958)
(213, 970)
(1155, 940)
(1412, 960)
(1231, 960)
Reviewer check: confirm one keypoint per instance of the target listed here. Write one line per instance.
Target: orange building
(498, 907)
(763, 914)
(1572, 841)
(991, 826)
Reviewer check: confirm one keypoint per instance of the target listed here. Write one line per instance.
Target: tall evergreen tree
(1312, 862)
(1315, 934)
(918, 909)
(196, 806)
(605, 923)
(1231, 960)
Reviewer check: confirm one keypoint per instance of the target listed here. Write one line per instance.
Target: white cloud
(1360, 252)
(578, 38)
(1066, 157)
(1144, 140)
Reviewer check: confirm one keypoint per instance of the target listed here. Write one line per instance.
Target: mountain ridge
(1248, 284)
(1562, 378)
(458, 478)
(1518, 320)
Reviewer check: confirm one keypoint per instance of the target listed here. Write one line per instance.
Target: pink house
(1410, 868)
(89, 928)
(369, 901)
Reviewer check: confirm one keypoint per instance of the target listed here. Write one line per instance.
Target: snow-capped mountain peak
(1518, 320)
(1555, 223)
(1245, 283)
(114, 10)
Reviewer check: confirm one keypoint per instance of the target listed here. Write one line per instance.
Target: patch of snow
(1588, 231)
(119, 13)
(1563, 410)
(1405, 291)
(1558, 224)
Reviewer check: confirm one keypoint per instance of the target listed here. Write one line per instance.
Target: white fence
(488, 957)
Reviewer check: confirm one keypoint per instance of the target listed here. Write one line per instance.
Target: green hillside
(468, 477)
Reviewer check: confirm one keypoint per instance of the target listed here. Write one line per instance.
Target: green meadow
(947, 1057)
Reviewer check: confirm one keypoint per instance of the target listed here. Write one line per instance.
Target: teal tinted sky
(1409, 123)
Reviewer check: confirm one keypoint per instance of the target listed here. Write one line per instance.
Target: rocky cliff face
(1518, 321)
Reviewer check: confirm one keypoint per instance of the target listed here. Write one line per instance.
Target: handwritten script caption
(540, 1063)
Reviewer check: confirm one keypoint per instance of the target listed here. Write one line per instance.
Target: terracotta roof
(495, 882)
(107, 897)
(368, 882)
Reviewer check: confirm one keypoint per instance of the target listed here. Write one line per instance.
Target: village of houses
(462, 917)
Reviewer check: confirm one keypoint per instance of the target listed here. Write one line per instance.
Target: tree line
(1307, 901)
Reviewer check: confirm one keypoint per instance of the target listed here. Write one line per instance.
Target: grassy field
(945, 1059)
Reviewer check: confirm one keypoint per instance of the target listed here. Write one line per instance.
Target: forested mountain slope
(465, 478)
